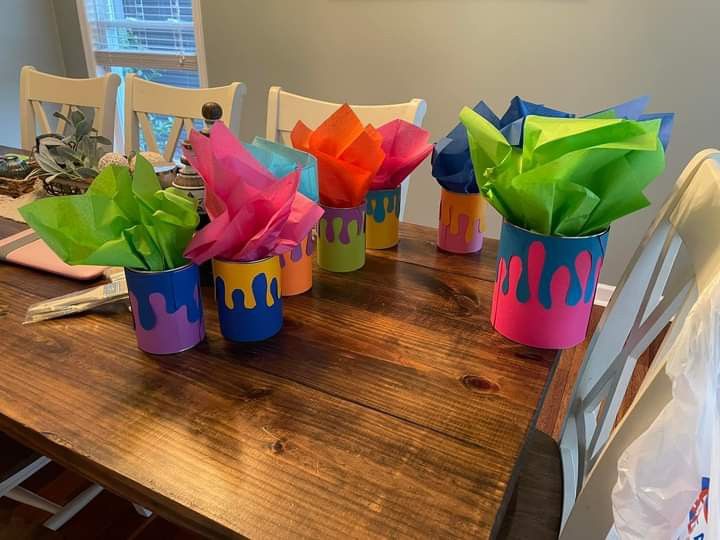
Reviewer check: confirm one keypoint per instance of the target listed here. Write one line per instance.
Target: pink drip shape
(172, 332)
(530, 323)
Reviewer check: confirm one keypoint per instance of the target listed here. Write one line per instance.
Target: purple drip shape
(172, 332)
(347, 215)
(296, 253)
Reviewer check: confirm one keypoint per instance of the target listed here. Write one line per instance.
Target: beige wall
(579, 54)
(29, 35)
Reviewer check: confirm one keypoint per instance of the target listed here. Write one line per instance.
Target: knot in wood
(475, 383)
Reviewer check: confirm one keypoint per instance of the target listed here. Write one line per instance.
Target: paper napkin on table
(348, 155)
(253, 214)
(405, 146)
(121, 220)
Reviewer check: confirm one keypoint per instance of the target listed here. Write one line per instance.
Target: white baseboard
(603, 294)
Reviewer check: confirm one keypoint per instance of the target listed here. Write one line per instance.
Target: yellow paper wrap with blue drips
(248, 298)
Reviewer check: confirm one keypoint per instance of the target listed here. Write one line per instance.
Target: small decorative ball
(153, 157)
(112, 158)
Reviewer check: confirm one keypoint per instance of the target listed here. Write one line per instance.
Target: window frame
(144, 59)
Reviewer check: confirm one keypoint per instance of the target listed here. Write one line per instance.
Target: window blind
(143, 34)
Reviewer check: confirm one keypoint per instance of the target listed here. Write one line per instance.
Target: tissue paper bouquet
(129, 221)
(297, 264)
(461, 206)
(254, 218)
(405, 146)
(348, 155)
(559, 191)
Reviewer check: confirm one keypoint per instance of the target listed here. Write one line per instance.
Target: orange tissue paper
(348, 154)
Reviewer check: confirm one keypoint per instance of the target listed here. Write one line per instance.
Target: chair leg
(73, 507)
(144, 512)
(22, 495)
(19, 477)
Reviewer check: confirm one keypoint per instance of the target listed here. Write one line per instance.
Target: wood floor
(110, 517)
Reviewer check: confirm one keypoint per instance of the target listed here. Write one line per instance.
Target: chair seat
(535, 509)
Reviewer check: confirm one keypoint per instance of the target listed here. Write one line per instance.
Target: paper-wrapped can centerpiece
(255, 218)
(341, 233)
(545, 286)
(348, 156)
(248, 298)
(167, 308)
(129, 221)
(296, 265)
(461, 225)
(559, 182)
(405, 146)
(383, 218)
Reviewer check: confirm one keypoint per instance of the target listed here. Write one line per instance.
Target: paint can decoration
(383, 218)
(545, 286)
(167, 308)
(248, 298)
(341, 238)
(462, 220)
(296, 267)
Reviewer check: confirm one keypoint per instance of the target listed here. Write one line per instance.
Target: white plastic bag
(668, 478)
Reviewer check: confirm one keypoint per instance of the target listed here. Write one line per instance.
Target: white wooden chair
(36, 88)
(285, 109)
(144, 97)
(673, 265)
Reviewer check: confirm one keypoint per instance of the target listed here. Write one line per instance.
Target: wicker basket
(14, 175)
(14, 187)
(66, 186)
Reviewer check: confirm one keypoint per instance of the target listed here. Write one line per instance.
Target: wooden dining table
(387, 406)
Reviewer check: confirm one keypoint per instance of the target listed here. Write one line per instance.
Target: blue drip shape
(256, 324)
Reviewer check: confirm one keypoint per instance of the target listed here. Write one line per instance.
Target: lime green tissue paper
(121, 220)
(572, 176)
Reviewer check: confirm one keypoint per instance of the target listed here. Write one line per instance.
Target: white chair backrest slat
(285, 110)
(143, 98)
(675, 261)
(37, 88)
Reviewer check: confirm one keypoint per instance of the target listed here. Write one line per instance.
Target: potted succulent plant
(67, 164)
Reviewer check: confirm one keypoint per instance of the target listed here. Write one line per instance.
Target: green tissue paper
(121, 220)
(572, 176)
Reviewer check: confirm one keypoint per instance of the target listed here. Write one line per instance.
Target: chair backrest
(285, 109)
(674, 263)
(144, 97)
(37, 88)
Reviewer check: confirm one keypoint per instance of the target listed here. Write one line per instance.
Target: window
(155, 39)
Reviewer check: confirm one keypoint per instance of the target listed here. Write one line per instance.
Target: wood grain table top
(386, 407)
